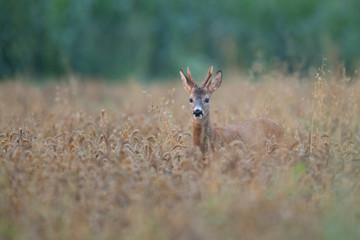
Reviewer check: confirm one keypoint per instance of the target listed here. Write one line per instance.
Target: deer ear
(188, 85)
(215, 82)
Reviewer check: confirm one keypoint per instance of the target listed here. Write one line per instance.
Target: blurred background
(153, 39)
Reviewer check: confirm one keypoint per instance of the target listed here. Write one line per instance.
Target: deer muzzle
(198, 113)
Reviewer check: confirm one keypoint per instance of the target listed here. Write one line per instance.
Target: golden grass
(85, 160)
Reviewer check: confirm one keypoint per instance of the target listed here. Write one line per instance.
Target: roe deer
(253, 132)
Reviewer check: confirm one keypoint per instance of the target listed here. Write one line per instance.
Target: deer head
(200, 96)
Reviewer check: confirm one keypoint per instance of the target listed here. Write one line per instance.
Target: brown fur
(253, 133)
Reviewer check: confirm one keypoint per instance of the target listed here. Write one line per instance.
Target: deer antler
(190, 77)
(208, 76)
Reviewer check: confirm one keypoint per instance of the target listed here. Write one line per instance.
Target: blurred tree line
(155, 38)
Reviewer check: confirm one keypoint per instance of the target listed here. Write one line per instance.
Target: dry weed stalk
(70, 169)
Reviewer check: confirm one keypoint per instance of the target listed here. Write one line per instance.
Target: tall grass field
(91, 160)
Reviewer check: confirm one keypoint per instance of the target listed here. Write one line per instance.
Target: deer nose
(198, 112)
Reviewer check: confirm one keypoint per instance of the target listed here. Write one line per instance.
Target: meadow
(94, 160)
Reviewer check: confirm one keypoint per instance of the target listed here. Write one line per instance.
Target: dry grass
(69, 170)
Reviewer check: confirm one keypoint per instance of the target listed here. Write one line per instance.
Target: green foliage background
(154, 38)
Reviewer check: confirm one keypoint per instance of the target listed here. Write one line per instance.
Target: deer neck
(202, 132)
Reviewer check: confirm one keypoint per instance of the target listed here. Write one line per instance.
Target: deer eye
(207, 100)
(190, 100)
